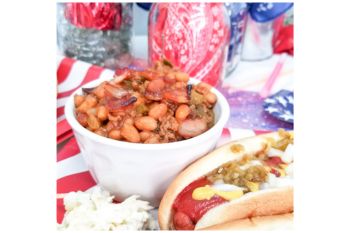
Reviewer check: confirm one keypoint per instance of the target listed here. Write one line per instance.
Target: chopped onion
(287, 156)
(225, 187)
(274, 152)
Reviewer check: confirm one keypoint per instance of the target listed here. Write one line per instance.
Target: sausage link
(182, 221)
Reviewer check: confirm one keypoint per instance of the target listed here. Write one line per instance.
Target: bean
(111, 125)
(92, 111)
(129, 121)
(146, 123)
(158, 110)
(156, 85)
(82, 119)
(83, 107)
(91, 101)
(152, 140)
(102, 132)
(144, 135)
(180, 85)
(93, 122)
(182, 76)
(115, 134)
(210, 98)
(78, 100)
(130, 133)
(170, 78)
(100, 90)
(182, 112)
(202, 88)
(102, 113)
(191, 128)
(140, 99)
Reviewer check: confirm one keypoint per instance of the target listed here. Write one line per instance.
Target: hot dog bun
(250, 205)
(274, 222)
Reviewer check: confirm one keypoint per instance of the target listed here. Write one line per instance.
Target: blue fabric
(263, 12)
(144, 5)
(237, 13)
(281, 105)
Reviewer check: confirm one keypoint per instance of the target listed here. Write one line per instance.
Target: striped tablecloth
(72, 173)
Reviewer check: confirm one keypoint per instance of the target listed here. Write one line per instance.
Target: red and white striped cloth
(72, 172)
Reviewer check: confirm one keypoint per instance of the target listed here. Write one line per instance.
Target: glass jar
(97, 33)
(238, 13)
(264, 21)
(192, 36)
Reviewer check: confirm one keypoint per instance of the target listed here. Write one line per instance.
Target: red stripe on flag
(60, 111)
(73, 183)
(69, 150)
(64, 68)
(93, 73)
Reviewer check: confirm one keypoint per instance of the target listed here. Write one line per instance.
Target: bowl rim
(76, 127)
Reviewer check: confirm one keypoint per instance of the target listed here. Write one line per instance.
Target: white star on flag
(271, 109)
(287, 117)
(282, 101)
(290, 99)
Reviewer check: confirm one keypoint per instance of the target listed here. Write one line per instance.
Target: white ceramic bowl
(125, 168)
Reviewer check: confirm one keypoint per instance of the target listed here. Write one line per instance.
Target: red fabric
(60, 111)
(62, 127)
(92, 74)
(64, 68)
(64, 137)
(284, 41)
(73, 183)
(69, 150)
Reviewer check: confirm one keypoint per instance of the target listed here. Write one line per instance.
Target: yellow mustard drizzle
(207, 192)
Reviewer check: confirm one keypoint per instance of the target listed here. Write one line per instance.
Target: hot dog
(241, 180)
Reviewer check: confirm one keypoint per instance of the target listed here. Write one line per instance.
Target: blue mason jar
(238, 13)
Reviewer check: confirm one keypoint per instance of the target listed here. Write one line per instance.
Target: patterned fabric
(263, 12)
(281, 105)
